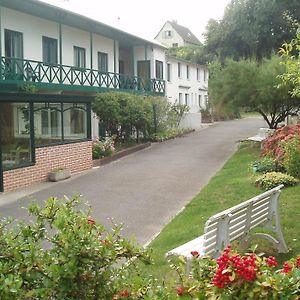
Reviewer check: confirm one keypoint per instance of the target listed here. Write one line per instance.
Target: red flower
(271, 261)
(124, 294)
(195, 253)
(180, 291)
(286, 268)
(91, 221)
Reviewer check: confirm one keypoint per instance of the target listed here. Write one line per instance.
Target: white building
(174, 35)
(186, 83)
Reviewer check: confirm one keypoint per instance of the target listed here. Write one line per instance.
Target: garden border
(119, 154)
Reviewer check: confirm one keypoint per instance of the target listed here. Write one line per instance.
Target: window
(204, 75)
(175, 45)
(75, 121)
(49, 50)
(13, 44)
(15, 135)
(187, 72)
(199, 101)
(179, 70)
(159, 69)
(198, 74)
(180, 98)
(79, 57)
(102, 62)
(186, 99)
(169, 70)
(47, 122)
(14, 49)
(168, 33)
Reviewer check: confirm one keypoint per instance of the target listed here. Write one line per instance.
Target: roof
(185, 33)
(56, 14)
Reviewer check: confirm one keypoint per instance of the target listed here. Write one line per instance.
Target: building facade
(186, 83)
(174, 35)
(53, 62)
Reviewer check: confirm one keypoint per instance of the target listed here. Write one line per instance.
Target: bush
(272, 146)
(64, 254)
(291, 156)
(272, 179)
(168, 134)
(264, 165)
(103, 148)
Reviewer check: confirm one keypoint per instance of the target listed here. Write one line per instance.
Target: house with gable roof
(174, 35)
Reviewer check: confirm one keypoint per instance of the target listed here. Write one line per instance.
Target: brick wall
(75, 156)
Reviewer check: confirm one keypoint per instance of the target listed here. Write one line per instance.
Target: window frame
(159, 69)
(179, 71)
(46, 48)
(102, 61)
(79, 57)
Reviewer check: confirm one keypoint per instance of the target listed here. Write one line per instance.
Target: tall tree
(251, 28)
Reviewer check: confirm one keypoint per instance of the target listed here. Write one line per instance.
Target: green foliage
(195, 54)
(28, 88)
(291, 55)
(272, 179)
(291, 156)
(247, 85)
(168, 134)
(123, 113)
(264, 165)
(63, 254)
(103, 148)
(251, 29)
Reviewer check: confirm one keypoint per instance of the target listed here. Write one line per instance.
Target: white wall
(33, 28)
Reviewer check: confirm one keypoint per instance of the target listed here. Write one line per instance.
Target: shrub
(272, 179)
(103, 148)
(235, 276)
(64, 254)
(291, 156)
(272, 146)
(264, 165)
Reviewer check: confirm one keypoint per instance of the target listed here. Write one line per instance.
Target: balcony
(62, 77)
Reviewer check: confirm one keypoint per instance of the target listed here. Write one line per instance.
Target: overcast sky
(145, 18)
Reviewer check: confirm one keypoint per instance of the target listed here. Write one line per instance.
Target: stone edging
(119, 154)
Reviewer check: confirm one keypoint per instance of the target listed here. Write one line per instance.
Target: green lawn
(230, 186)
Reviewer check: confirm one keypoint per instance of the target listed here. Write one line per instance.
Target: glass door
(14, 54)
(144, 74)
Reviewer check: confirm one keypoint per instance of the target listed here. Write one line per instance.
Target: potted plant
(58, 174)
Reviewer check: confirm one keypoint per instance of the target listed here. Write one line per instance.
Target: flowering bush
(235, 276)
(272, 146)
(272, 179)
(103, 148)
(64, 254)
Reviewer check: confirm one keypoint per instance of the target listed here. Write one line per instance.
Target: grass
(230, 186)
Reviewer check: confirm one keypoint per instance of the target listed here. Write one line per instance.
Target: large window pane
(50, 50)
(15, 134)
(47, 123)
(102, 62)
(75, 121)
(79, 57)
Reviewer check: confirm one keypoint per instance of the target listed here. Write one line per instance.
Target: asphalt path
(146, 189)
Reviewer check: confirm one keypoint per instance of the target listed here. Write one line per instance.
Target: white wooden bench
(262, 134)
(236, 223)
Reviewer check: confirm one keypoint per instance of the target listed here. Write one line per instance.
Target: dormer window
(168, 33)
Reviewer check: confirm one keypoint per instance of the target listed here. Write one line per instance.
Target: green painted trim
(60, 47)
(89, 120)
(32, 138)
(115, 58)
(91, 46)
(64, 142)
(41, 98)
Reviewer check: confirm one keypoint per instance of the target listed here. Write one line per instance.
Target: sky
(146, 18)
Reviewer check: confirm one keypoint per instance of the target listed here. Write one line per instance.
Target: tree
(291, 55)
(251, 28)
(246, 84)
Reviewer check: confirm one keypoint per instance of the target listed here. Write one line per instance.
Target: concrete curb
(117, 155)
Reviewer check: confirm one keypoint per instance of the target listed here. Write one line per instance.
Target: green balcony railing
(14, 70)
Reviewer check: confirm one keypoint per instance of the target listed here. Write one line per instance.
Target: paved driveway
(146, 189)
